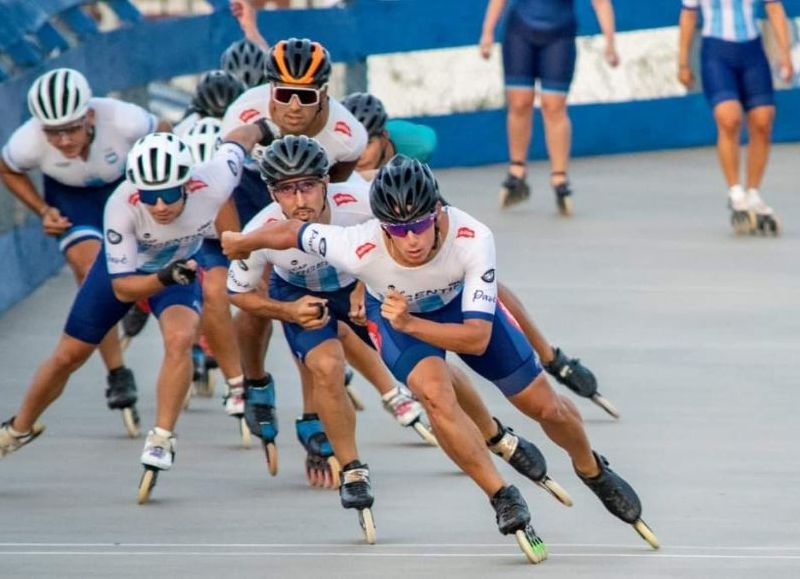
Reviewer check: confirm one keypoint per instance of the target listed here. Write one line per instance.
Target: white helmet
(59, 96)
(158, 161)
(203, 139)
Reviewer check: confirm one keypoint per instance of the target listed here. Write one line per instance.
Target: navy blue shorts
(84, 206)
(96, 309)
(737, 71)
(302, 341)
(509, 360)
(530, 55)
(211, 256)
(250, 196)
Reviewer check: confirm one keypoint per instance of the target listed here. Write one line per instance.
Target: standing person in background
(737, 76)
(539, 44)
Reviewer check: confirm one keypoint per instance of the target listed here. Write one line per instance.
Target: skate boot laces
(234, 400)
(355, 475)
(10, 442)
(404, 408)
(507, 445)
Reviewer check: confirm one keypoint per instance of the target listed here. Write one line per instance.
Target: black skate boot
(563, 194)
(261, 418)
(619, 498)
(513, 517)
(513, 190)
(578, 378)
(356, 493)
(133, 323)
(322, 468)
(121, 395)
(526, 458)
(202, 378)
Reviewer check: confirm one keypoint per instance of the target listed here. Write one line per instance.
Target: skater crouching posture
(430, 276)
(155, 222)
(736, 76)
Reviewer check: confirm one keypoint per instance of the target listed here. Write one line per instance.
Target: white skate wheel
(271, 453)
(605, 404)
(335, 467)
(368, 525)
(425, 433)
(565, 206)
(531, 545)
(146, 485)
(245, 432)
(646, 533)
(131, 422)
(556, 490)
(124, 342)
(355, 397)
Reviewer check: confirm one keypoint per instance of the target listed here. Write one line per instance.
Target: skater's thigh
(430, 381)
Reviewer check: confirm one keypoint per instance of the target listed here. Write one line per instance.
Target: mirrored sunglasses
(168, 196)
(305, 96)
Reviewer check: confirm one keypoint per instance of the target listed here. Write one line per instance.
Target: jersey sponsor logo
(481, 296)
(248, 115)
(364, 249)
(233, 166)
(118, 260)
(113, 237)
(133, 198)
(193, 185)
(342, 127)
(374, 335)
(243, 265)
(323, 247)
(488, 277)
(344, 199)
(465, 232)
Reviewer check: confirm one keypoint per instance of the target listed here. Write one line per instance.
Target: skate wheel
(245, 432)
(313, 476)
(604, 403)
(334, 468)
(130, 418)
(531, 545)
(425, 433)
(124, 342)
(556, 490)
(564, 206)
(187, 400)
(743, 222)
(367, 525)
(271, 453)
(769, 225)
(355, 397)
(146, 485)
(646, 533)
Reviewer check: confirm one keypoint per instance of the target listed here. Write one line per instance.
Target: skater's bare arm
(687, 25)
(130, 288)
(304, 311)
(22, 188)
(277, 235)
(470, 337)
(777, 19)
(604, 10)
(493, 12)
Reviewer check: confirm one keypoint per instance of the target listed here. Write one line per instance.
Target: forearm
(604, 10)
(21, 187)
(457, 338)
(228, 218)
(246, 135)
(261, 306)
(135, 287)
(687, 25)
(493, 11)
(777, 19)
(278, 235)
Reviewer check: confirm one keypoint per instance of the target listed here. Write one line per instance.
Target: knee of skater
(553, 412)
(437, 401)
(68, 360)
(730, 123)
(325, 368)
(553, 111)
(178, 342)
(761, 126)
(521, 107)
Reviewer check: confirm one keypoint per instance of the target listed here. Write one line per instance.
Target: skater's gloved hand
(358, 309)
(181, 272)
(395, 309)
(310, 312)
(233, 245)
(53, 222)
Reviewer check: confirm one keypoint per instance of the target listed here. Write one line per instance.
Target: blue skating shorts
(736, 71)
(530, 55)
(509, 360)
(83, 206)
(211, 256)
(96, 309)
(302, 341)
(250, 196)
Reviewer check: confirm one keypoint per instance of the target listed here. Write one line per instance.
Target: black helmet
(293, 156)
(403, 190)
(299, 61)
(369, 111)
(247, 61)
(215, 93)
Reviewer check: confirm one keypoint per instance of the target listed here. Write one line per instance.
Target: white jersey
(134, 242)
(732, 20)
(349, 206)
(343, 137)
(185, 125)
(464, 265)
(117, 126)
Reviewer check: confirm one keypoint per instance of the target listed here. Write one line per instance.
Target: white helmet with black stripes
(59, 97)
(159, 161)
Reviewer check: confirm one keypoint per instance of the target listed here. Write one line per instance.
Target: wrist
(683, 66)
(44, 210)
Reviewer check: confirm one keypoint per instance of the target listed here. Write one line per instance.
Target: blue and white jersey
(464, 266)
(731, 20)
(136, 243)
(117, 126)
(349, 203)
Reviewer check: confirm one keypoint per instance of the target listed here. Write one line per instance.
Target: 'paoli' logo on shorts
(465, 232)
(488, 277)
(343, 199)
(113, 237)
(248, 115)
(342, 127)
(364, 249)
